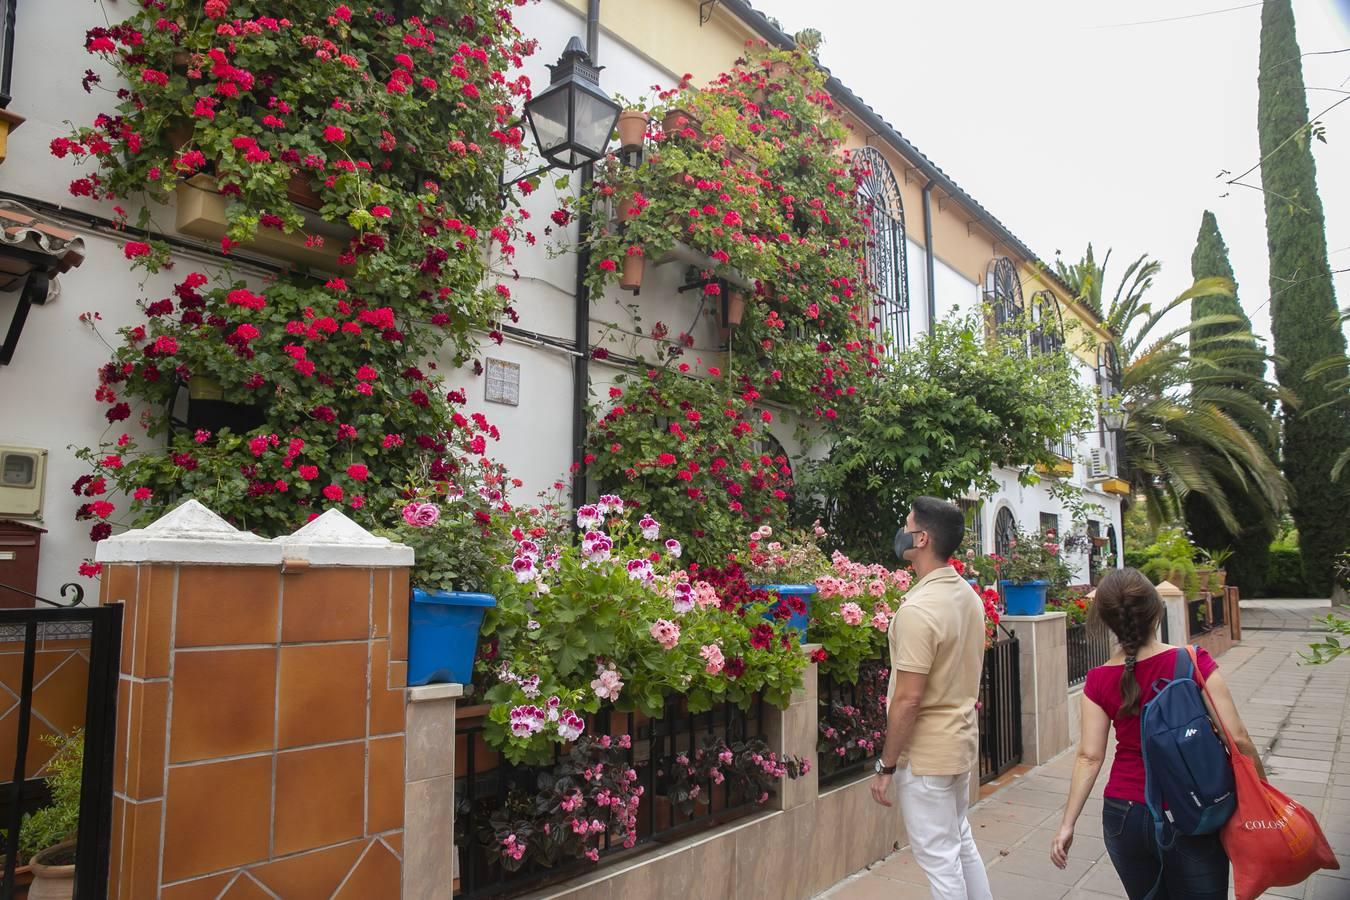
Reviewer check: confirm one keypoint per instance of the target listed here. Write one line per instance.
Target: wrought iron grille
(1000, 712)
(1197, 616)
(852, 722)
(1005, 531)
(1108, 386)
(887, 270)
(23, 794)
(1046, 334)
(1003, 294)
(973, 510)
(485, 783)
(1088, 646)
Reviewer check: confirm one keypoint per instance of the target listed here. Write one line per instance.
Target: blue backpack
(1185, 762)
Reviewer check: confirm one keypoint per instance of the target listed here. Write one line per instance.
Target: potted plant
(788, 569)
(49, 834)
(1212, 575)
(1032, 564)
(632, 127)
(448, 523)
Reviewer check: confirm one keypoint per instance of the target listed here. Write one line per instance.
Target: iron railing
(1000, 708)
(1087, 646)
(851, 722)
(1218, 609)
(485, 782)
(21, 794)
(1197, 616)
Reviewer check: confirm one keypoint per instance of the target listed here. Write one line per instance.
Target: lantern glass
(572, 118)
(593, 121)
(548, 115)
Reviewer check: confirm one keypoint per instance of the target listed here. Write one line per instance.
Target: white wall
(956, 294)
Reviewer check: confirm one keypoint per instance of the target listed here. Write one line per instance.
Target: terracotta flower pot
(302, 193)
(735, 307)
(678, 120)
(179, 135)
(625, 208)
(779, 71)
(23, 877)
(630, 279)
(632, 127)
(53, 873)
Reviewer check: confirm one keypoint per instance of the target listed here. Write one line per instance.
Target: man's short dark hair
(944, 522)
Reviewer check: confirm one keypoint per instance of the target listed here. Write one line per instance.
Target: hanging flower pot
(630, 279)
(779, 71)
(677, 120)
(735, 308)
(632, 127)
(208, 408)
(301, 192)
(625, 208)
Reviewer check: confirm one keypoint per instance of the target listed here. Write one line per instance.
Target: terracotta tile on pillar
(138, 769)
(227, 605)
(223, 703)
(217, 816)
(320, 797)
(326, 605)
(379, 603)
(322, 694)
(398, 615)
(376, 875)
(394, 841)
(309, 876)
(117, 584)
(151, 623)
(245, 888)
(138, 844)
(207, 888)
(387, 715)
(384, 809)
(63, 692)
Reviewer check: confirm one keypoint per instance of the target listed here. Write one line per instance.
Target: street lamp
(572, 118)
(1114, 417)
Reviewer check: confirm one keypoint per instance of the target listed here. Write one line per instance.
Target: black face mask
(904, 542)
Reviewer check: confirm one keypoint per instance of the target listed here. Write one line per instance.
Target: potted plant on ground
(49, 834)
(1211, 569)
(1032, 565)
(787, 568)
(448, 521)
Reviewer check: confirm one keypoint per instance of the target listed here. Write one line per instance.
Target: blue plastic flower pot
(798, 619)
(443, 635)
(1024, 598)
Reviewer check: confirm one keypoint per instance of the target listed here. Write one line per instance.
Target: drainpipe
(930, 288)
(581, 373)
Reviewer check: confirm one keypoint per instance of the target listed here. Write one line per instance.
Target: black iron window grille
(1108, 386)
(887, 269)
(1046, 328)
(973, 510)
(1005, 531)
(1003, 295)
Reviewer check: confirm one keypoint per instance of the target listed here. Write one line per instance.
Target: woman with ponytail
(1194, 867)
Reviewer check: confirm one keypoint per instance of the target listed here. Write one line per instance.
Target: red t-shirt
(1103, 688)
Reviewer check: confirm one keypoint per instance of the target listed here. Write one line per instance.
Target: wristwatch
(885, 770)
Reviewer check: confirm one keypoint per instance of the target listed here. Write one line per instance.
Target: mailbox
(20, 547)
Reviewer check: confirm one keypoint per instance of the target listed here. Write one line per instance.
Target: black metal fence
(851, 723)
(1087, 646)
(1000, 708)
(1197, 616)
(1218, 609)
(487, 784)
(22, 794)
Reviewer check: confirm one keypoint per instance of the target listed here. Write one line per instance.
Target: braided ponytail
(1129, 605)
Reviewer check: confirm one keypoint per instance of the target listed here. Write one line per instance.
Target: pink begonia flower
(421, 515)
(666, 633)
(523, 566)
(607, 685)
(641, 570)
(683, 597)
(651, 529)
(527, 721)
(713, 655)
(589, 517)
(570, 725)
(673, 547)
(852, 613)
(705, 594)
(610, 504)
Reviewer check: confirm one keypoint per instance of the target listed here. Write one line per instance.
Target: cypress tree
(1303, 302)
(1250, 544)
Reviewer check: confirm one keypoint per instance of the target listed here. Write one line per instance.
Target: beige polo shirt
(939, 631)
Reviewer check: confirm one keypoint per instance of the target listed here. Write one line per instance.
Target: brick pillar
(1044, 672)
(793, 732)
(261, 718)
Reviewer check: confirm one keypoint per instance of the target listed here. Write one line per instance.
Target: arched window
(1047, 324)
(1112, 548)
(1005, 531)
(1002, 293)
(1108, 384)
(887, 273)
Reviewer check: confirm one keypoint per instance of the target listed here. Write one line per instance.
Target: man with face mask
(937, 650)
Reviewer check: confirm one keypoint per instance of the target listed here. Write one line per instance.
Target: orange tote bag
(1271, 839)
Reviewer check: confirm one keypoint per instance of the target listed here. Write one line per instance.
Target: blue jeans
(1195, 868)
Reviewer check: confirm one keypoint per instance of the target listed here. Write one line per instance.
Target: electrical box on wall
(23, 473)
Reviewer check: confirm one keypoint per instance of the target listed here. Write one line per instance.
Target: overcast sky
(1072, 126)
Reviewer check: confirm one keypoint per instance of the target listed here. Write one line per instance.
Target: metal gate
(95, 634)
(1000, 712)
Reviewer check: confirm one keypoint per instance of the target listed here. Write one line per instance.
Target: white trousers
(934, 809)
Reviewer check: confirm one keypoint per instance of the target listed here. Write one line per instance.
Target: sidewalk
(1299, 717)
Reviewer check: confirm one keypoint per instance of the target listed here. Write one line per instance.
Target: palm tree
(1198, 421)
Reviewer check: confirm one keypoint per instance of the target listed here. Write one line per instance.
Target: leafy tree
(1255, 514)
(937, 421)
(1303, 302)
